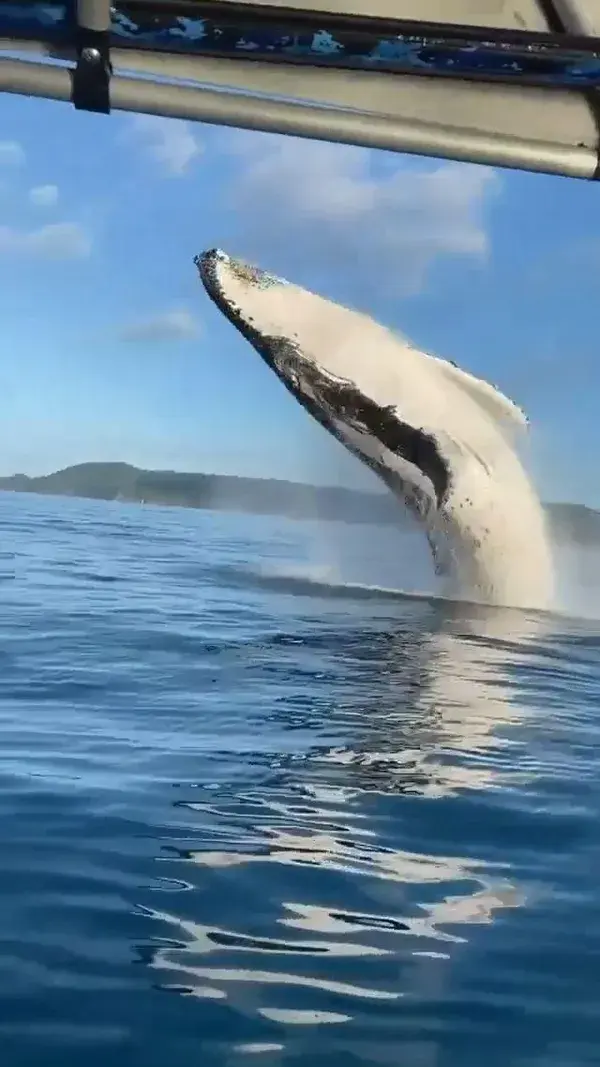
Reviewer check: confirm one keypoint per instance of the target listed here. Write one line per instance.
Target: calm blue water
(249, 813)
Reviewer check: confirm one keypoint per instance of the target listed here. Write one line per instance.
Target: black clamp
(91, 77)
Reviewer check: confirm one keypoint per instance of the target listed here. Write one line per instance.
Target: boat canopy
(511, 83)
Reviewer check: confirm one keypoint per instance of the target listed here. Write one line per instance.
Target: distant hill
(263, 496)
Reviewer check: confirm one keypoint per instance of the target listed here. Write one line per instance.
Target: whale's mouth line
(336, 403)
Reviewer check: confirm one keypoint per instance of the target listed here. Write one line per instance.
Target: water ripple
(247, 812)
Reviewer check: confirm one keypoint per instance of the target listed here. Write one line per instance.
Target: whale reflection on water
(374, 921)
(415, 909)
(442, 723)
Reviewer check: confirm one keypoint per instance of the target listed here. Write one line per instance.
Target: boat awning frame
(502, 96)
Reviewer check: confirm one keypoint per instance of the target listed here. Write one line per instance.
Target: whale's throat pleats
(346, 404)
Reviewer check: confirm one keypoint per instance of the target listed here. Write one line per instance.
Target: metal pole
(94, 14)
(91, 78)
(304, 120)
(582, 19)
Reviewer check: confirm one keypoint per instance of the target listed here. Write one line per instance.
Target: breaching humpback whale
(442, 440)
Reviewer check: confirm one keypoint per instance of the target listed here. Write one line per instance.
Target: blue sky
(112, 350)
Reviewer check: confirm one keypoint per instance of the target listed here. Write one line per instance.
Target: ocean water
(256, 807)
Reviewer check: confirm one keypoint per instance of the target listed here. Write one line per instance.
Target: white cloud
(11, 154)
(44, 195)
(171, 142)
(61, 240)
(364, 214)
(176, 324)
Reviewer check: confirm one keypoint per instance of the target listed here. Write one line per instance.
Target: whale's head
(438, 437)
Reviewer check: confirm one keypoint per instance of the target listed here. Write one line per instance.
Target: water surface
(253, 810)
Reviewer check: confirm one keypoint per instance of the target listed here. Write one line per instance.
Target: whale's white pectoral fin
(490, 399)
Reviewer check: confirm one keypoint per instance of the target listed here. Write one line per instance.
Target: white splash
(441, 439)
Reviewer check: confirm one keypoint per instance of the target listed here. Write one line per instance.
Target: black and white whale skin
(442, 440)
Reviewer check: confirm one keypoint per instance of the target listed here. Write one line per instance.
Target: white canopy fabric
(496, 14)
